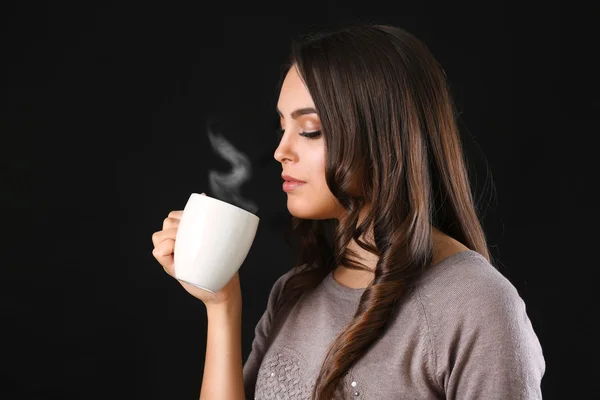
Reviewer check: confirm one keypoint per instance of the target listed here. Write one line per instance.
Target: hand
(164, 247)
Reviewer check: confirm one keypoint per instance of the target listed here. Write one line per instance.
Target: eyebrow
(300, 111)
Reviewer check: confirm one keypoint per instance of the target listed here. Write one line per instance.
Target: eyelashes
(310, 135)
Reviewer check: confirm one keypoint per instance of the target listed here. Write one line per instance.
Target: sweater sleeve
(261, 337)
(486, 345)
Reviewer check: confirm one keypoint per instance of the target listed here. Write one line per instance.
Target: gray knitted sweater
(463, 334)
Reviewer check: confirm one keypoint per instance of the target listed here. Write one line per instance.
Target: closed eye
(310, 135)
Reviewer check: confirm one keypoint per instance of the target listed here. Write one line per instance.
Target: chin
(306, 209)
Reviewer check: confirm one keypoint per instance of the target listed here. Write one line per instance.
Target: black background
(103, 131)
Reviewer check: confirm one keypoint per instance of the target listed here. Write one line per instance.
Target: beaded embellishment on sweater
(282, 377)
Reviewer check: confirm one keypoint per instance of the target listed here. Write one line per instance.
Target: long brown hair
(389, 123)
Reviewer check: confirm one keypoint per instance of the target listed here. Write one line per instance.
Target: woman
(394, 294)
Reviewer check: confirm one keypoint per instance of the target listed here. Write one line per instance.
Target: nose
(284, 151)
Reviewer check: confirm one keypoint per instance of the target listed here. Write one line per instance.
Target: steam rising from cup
(226, 186)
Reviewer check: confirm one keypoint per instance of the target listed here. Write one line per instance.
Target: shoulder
(282, 279)
(479, 328)
(279, 285)
(466, 285)
(467, 277)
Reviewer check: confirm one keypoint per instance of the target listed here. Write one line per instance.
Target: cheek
(319, 171)
(315, 201)
(317, 176)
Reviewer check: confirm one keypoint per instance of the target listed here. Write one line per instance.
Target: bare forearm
(223, 377)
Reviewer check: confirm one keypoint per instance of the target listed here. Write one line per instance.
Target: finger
(159, 236)
(170, 222)
(164, 255)
(169, 267)
(175, 214)
(165, 248)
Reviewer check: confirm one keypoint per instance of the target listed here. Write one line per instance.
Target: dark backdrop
(105, 129)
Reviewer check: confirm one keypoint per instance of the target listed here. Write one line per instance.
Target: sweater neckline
(336, 288)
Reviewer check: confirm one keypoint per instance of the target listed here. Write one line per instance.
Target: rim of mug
(224, 202)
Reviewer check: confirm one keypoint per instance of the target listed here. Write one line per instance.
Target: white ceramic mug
(212, 242)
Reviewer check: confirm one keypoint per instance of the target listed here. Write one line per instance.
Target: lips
(290, 183)
(289, 186)
(289, 178)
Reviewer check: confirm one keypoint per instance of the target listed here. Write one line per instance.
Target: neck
(366, 258)
(443, 246)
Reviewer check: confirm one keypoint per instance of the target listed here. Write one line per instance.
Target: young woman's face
(302, 157)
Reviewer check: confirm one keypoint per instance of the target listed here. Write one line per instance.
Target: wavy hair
(390, 130)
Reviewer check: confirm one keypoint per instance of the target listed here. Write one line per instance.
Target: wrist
(227, 309)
